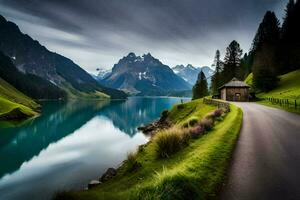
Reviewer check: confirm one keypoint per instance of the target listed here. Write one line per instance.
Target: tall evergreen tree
(246, 65)
(268, 32)
(288, 20)
(200, 88)
(216, 80)
(290, 40)
(232, 61)
(265, 49)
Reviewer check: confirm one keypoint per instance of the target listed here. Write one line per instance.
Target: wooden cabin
(235, 90)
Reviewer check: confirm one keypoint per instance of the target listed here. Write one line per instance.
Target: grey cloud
(176, 31)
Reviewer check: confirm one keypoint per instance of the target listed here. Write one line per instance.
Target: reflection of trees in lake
(129, 115)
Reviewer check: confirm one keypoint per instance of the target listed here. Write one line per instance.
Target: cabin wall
(223, 94)
(237, 94)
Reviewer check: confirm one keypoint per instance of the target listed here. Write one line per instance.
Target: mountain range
(56, 73)
(142, 75)
(102, 74)
(190, 73)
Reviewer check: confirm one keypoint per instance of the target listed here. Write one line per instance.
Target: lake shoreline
(67, 138)
(137, 170)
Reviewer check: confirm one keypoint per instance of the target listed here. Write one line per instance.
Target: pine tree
(288, 20)
(265, 49)
(268, 32)
(290, 40)
(246, 66)
(232, 61)
(200, 88)
(216, 80)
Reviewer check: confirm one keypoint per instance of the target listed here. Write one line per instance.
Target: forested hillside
(275, 51)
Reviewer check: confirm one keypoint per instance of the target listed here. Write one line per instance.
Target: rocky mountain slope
(144, 75)
(102, 74)
(30, 57)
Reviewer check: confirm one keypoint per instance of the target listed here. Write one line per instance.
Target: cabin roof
(235, 83)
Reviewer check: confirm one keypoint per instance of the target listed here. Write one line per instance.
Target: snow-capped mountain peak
(190, 73)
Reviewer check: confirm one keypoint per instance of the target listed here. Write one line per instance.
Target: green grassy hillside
(14, 105)
(72, 93)
(288, 88)
(195, 172)
(249, 80)
(192, 110)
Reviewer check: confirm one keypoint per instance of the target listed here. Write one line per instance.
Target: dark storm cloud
(176, 31)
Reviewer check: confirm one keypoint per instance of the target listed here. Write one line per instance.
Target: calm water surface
(71, 144)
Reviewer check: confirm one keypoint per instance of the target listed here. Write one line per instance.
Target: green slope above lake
(14, 105)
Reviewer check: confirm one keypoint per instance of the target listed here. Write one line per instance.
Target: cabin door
(237, 97)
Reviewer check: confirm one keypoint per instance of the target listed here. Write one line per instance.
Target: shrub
(207, 123)
(185, 125)
(180, 106)
(197, 131)
(210, 116)
(131, 157)
(193, 121)
(141, 148)
(218, 113)
(215, 114)
(164, 114)
(169, 141)
(132, 163)
(185, 137)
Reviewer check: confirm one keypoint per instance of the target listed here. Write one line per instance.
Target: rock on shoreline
(109, 174)
(154, 127)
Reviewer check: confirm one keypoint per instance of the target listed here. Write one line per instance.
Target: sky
(97, 33)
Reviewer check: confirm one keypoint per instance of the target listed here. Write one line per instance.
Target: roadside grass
(186, 112)
(14, 104)
(288, 88)
(270, 104)
(168, 142)
(196, 171)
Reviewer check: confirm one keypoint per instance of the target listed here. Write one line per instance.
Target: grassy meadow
(14, 104)
(288, 88)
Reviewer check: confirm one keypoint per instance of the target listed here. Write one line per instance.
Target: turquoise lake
(71, 144)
